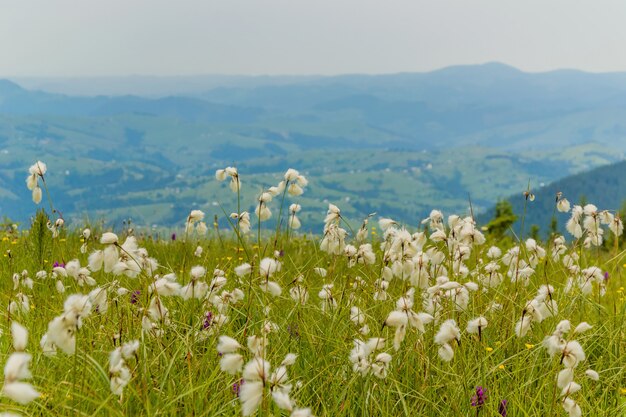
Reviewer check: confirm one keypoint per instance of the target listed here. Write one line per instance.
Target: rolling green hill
(397, 144)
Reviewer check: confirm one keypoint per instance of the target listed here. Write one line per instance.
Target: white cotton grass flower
(235, 181)
(20, 304)
(320, 271)
(109, 238)
(227, 345)
(536, 310)
(271, 287)
(243, 221)
(250, 396)
(477, 325)
(573, 224)
(99, 300)
(262, 211)
(231, 362)
(15, 371)
(329, 302)
(593, 375)
(269, 266)
(438, 236)
(404, 316)
(565, 377)
(20, 392)
(195, 216)
(301, 412)
(572, 354)
(55, 227)
(616, 226)
(19, 335)
(201, 228)
(386, 223)
(448, 332)
(563, 205)
(38, 168)
(82, 275)
(291, 175)
(494, 252)
(36, 171)
(119, 373)
(570, 388)
(275, 191)
(294, 189)
(289, 359)
(37, 195)
(194, 289)
(356, 316)
(294, 221)
(296, 182)
(572, 409)
(333, 241)
(243, 269)
(194, 222)
(332, 215)
(198, 272)
(255, 375)
(299, 294)
(62, 329)
(363, 360)
(434, 220)
(583, 327)
(380, 365)
(380, 293)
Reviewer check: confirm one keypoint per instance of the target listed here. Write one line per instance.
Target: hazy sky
(177, 37)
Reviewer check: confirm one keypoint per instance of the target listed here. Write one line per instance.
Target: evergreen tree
(502, 219)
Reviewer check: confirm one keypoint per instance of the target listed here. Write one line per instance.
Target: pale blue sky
(178, 37)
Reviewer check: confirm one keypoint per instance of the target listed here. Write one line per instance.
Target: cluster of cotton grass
(16, 369)
(428, 263)
(257, 380)
(571, 354)
(423, 280)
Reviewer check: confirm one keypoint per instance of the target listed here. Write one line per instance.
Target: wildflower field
(376, 318)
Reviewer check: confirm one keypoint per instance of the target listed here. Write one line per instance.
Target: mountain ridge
(406, 142)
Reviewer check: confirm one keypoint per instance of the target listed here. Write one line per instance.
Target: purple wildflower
(62, 265)
(479, 399)
(173, 236)
(237, 387)
(134, 296)
(606, 275)
(502, 408)
(208, 320)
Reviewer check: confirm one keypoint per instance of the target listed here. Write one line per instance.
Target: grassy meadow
(436, 318)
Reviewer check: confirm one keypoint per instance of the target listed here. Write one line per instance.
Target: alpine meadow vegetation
(437, 318)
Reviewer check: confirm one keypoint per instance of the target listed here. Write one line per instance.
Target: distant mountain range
(396, 144)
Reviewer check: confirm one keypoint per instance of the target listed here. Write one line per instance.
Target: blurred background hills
(400, 144)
